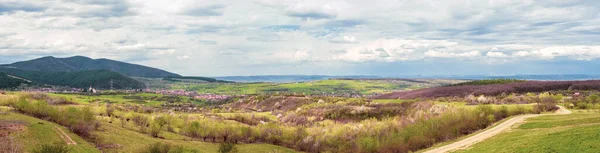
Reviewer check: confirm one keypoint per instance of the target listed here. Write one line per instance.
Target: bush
(54, 148)
(80, 121)
(227, 147)
(166, 148)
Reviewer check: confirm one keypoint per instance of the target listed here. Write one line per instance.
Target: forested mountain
(80, 63)
(100, 79)
(8, 81)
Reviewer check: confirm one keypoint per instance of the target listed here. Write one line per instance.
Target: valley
(106, 111)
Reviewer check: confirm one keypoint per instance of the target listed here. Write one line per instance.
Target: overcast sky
(332, 37)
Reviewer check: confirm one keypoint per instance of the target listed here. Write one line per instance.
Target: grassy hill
(79, 79)
(80, 63)
(577, 132)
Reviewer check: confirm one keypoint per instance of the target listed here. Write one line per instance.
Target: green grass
(577, 132)
(36, 134)
(314, 87)
(86, 99)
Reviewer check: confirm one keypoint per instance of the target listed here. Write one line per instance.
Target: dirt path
(64, 136)
(490, 132)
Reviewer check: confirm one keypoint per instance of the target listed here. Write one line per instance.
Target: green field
(35, 134)
(576, 132)
(314, 87)
(148, 99)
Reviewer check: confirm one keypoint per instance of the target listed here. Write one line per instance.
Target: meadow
(576, 132)
(285, 123)
(148, 122)
(332, 86)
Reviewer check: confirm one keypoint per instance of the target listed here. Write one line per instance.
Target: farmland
(332, 86)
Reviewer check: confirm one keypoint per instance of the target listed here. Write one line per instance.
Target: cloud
(249, 37)
(345, 23)
(434, 53)
(344, 39)
(308, 12)
(184, 57)
(14, 6)
(210, 10)
(493, 54)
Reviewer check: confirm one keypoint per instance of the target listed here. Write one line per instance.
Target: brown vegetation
(494, 89)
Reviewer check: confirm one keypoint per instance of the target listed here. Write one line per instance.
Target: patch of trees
(79, 120)
(10, 82)
(494, 89)
(487, 82)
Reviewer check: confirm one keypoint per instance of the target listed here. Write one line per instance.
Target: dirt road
(491, 132)
(64, 136)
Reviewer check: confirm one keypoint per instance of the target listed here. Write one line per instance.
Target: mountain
(80, 63)
(100, 79)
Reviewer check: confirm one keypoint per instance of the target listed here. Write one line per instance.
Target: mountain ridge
(82, 63)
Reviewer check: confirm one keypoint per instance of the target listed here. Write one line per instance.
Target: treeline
(398, 134)
(79, 120)
(494, 89)
(487, 82)
(100, 79)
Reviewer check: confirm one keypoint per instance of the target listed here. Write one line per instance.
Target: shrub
(368, 144)
(227, 147)
(52, 148)
(166, 148)
(80, 121)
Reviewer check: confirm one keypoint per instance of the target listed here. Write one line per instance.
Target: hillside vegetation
(494, 89)
(7, 81)
(333, 86)
(78, 79)
(80, 63)
(576, 132)
(488, 82)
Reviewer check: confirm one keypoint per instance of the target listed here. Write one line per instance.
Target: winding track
(64, 136)
(491, 132)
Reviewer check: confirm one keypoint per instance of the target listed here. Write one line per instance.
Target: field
(139, 122)
(147, 99)
(280, 123)
(35, 134)
(332, 87)
(576, 132)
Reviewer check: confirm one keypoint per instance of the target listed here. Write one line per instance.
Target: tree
(154, 129)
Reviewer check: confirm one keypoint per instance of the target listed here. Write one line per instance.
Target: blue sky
(335, 37)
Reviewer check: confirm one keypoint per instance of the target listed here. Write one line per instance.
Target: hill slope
(79, 79)
(493, 89)
(8, 81)
(79, 63)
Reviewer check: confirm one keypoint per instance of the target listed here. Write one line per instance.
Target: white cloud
(493, 54)
(344, 39)
(471, 54)
(242, 36)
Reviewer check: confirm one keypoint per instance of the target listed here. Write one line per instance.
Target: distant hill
(193, 79)
(100, 79)
(80, 63)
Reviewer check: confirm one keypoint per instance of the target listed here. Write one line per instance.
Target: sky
(310, 37)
